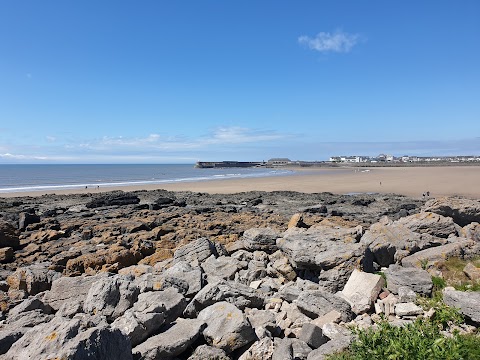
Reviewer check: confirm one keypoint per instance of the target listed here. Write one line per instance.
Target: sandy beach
(410, 181)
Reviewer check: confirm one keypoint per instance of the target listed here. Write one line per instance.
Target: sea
(26, 178)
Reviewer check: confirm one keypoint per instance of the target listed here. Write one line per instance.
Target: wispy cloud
(325, 42)
(9, 156)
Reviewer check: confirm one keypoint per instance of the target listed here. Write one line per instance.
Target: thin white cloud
(51, 138)
(9, 156)
(325, 42)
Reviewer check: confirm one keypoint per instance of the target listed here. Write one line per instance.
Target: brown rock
(297, 221)
(6, 254)
(472, 272)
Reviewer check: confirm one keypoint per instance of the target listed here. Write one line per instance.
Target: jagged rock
(26, 219)
(296, 221)
(32, 303)
(280, 266)
(27, 319)
(227, 327)
(333, 331)
(330, 317)
(471, 232)
(283, 349)
(428, 257)
(262, 320)
(429, 223)
(33, 279)
(362, 290)
(6, 254)
(238, 294)
(316, 303)
(472, 272)
(418, 280)
(68, 290)
(312, 335)
(170, 299)
(111, 296)
(466, 302)
(407, 309)
(138, 326)
(261, 349)
(198, 250)
(8, 235)
(118, 198)
(222, 267)
(208, 352)
(261, 239)
(70, 339)
(171, 342)
(321, 247)
(389, 243)
(462, 211)
(186, 278)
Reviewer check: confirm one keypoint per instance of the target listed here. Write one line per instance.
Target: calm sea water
(19, 178)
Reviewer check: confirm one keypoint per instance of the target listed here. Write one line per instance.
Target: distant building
(279, 161)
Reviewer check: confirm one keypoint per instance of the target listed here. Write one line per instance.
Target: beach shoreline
(408, 181)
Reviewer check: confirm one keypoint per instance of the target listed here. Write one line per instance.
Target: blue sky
(180, 81)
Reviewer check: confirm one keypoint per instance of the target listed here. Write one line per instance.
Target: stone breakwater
(277, 275)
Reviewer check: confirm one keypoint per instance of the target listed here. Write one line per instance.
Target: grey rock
(462, 211)
(418, 280)
(111, 296)
(8, 338)
(222, 267)
(389, 243)
(429, 223)
(70, 339)
(240, 295)
(168, 301)
(315, 303)
(227, 327)
(280, 266)
(332, 346)
(312, 335)
(405, 294)
(407, 309)
(362, 290)
(186, 278)
(33, 279)
(466, 302)
(26, 219)
(282, 349)
(428, 257)
(321, 247)
(171, 342)
(300, 349)
(261, 239)
(28, 319)
(33, 303)
(261, 349)
(208, 352)
(8, 236)
(114, 198)
(198, 250)
(138, 326)
(262, 319)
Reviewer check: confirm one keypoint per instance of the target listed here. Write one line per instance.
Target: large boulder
(315, 303)
(26, 218)
(468, 303)
(321, 247)
(390, 242)
(72, 339)
(68, 290)
(362, 290)
(187, 278)
(240, 295)
(462, 211)
(171, 342)
(227, 327)
(418, 280)
(223, 267)
(263, 239)
(429, 223)
(111, 296)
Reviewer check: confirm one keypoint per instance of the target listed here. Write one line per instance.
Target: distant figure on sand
(380, 183)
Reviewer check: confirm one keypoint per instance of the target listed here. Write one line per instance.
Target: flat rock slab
(170, 343)
(418, 280)
(362, 290)
(462, 211)
(430, 256)
(429, 223)
(467, 302)
(315, 303)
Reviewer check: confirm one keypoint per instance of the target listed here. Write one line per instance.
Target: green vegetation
(453, 275)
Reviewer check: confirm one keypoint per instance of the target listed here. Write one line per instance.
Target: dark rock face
(112, 199)
(8, 235)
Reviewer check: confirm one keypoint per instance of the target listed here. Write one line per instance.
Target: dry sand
(410, 181)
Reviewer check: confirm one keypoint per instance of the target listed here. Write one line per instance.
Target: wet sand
(410, 181)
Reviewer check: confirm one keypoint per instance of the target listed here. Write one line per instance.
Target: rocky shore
(256, 275)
